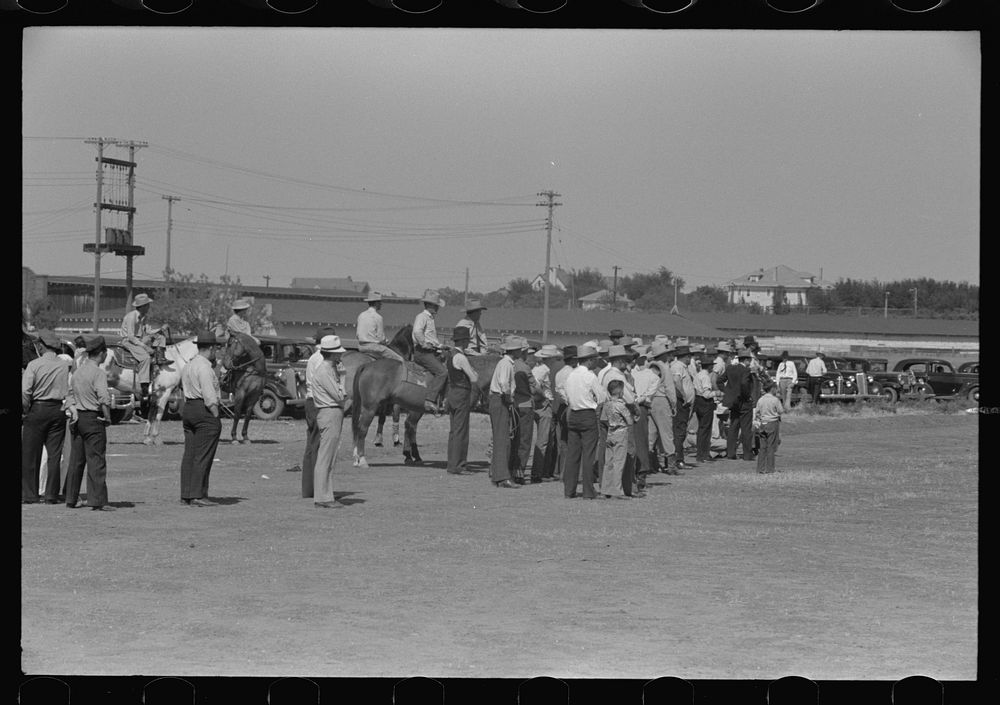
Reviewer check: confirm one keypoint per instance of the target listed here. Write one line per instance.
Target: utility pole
(886, 312)
(614, 289)
(170, 226)
(465, 301)
(914, 290)
(267, 281)
(550, 204)
(131, 251)
(100, 142)
(675, 311)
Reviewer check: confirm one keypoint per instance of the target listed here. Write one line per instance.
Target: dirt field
(859, 561)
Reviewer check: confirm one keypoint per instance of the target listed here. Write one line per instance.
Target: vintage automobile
(845, 380)
(938, 379)
(285, 385)
(969, 367)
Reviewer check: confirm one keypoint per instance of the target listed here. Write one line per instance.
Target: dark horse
(246, 369)
(379, 386)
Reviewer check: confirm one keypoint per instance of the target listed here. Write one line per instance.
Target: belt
(423, 349)
(47, 401)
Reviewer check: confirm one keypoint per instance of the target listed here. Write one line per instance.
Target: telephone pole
(465, 301)
(100, 142)
(675, 311)
(267, 281)
(614, 289)
(550, 203)
(914, 290)
(170, 226)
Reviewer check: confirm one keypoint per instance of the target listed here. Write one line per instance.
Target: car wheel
(974, 395)
(924, 391)
(889, 394)
(121, 415)
(269, 406)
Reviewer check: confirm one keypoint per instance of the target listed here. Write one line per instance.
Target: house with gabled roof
(759, 286)
(605, 300)
(559, 279)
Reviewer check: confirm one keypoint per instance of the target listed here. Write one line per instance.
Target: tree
(707, 298)
(42, 313)
(824, 300)
(587, 281)
(194, 304)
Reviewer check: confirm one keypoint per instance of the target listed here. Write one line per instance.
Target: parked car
(969, 367)
(840, 382)
(940, 378)
(285, 385)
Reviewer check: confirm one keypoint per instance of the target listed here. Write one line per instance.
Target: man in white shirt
(371, 330)
(200, 418)
(562, 405)
(583, 395)
(684, 386)
(619, 358)
(645, 380)
(425, 349)
(478, 343)
(663, 404)
(461, 380)
(312, 431)
(543, 462)
(786, 376)
(501, 408)
(815, 370)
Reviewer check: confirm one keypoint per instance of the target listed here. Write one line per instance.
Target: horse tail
(356, 401)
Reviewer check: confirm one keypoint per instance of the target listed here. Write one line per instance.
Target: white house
(603, 299)
(760, 285)
(558, 279)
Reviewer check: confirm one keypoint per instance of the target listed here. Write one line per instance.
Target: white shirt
(560, 383)
(628, 391)
(503, 376)
(583, 390)
(424, 331)
(646, 381)
(370, 328)
(787, 370)
(477, 338)
(541, 374)
(816, 367)
(461, 362)
(314, 361)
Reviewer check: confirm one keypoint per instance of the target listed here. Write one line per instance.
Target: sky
(407, 157)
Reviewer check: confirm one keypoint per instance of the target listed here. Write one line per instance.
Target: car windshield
(878, 365)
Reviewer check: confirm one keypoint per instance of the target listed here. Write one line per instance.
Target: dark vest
(457, 377)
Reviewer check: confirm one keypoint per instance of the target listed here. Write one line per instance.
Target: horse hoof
(235, 442)
(362, 463)
(147, 441)
(157, 441)
(355, 462)
(245, 441)
(396, 442)
(378, 443)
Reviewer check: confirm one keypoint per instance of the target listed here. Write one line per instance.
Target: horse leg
(378, 430)
(146, 438)
(237, 405)
(411, 453)
(246, 423)
(364, 420)
(395, 426)
(161, 407)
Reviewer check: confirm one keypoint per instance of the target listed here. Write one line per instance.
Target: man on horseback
(239, 321)
(425, 349)
(140, 339)
(371, 332)
(478, 343)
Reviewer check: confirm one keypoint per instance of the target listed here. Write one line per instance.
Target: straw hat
(240, 304)
(141, 300)
(474, 305)
(511, 344)
(658, 348)
(207, 337)
(585, 352)
(616, 351)
(723, 346)
(547, 351)
(331, 343)
(431, 297)
(373, 296)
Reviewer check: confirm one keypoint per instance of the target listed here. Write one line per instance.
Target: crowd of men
(602, 415)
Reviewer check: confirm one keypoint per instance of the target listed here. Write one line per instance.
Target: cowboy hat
(744, 353)
(141, 300)
(569, 352)
(682, 350)
(511, 345)
(206, 337)
(616, 351)
(96, 343)
(548, 351)
(331, 343)
(240, 304)
(658, 348)
(585, 352)
(50, 340)
(373, 296)
(460, 333)
(474, 305)
(662, 338)
(723, 346)
(616, 333)
(641, 350)
(431, 297)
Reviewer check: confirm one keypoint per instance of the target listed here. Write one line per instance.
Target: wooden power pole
(550, 204)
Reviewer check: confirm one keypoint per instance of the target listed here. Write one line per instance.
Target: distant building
(558, 279)
(603, 300)
(330, 284)
(758, 287)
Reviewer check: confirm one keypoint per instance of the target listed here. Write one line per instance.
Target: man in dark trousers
(44, 406)
(461, 378)
(736, 396)
(524, 386)
(92, 400)
(584, 395)
(200, 417)
(312, 430)
(501, 408)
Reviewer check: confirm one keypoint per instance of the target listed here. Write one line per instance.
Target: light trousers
(329, 421)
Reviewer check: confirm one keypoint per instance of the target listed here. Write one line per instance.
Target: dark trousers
(459, 408)
(642, 455)
(602, 440)
(704, 409)
(681, 419)
(562, 437)
(581, 453)
(815, 385)
(201, 438)
(312, 445)
(525, 432)
(89, 443)
(740, 429)
(430, 362)
(502, 443)
(543, 461)
(768, 444)
(44, 426)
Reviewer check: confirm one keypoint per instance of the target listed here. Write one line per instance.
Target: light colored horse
(162, 387)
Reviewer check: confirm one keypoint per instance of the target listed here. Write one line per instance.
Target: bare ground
(858, 561)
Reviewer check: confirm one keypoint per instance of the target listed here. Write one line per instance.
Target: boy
(767, 419)
(616, 419)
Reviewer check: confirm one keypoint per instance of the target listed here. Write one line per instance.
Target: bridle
(243, 365)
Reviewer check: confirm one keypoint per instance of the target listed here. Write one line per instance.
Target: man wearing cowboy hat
(137, 336)
(619, 358)
(543, 463)
(663, 403)
(309, 408)
(525, 388)
(44, 407)
(684, 386)
(584, 395)
(815, 370)
(786, 376)
(501, 407)
(462, 379)
(723, 352)
(92, 400)
(562, 406)
(645, 380)
(239, 322)
(200, 418)
(737, 391)
(478, 343)
(370, 331)
(329, 397)
(425, 349)
(615, 336)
